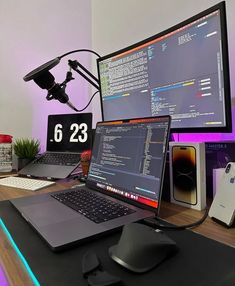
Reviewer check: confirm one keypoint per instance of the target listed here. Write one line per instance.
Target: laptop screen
(128, 158)
(69, 132)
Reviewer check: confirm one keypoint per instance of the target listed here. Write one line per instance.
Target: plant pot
(22, 162)
(85, 167)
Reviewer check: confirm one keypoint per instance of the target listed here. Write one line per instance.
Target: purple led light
(208, 137)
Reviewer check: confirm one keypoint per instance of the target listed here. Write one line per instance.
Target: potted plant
(85, 161)
(26, 150)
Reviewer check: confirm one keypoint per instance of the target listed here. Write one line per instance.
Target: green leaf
(26, 148)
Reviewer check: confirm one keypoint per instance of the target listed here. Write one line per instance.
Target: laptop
(126, 170)
(67, 136)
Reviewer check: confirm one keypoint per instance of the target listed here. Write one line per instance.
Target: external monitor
(182, 71)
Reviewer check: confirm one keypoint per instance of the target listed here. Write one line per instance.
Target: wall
(32, 33)
(117, 24)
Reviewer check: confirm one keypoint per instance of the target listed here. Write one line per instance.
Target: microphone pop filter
(40, 70)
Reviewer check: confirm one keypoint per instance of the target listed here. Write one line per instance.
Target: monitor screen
(182, 72)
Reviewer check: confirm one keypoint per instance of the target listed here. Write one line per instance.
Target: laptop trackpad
(47, 213)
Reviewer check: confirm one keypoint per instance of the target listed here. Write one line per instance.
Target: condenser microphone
(45, 80)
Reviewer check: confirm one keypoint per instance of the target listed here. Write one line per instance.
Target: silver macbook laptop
(67, 136)
(124, 185)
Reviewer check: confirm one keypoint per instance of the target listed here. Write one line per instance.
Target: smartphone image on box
(184, 174)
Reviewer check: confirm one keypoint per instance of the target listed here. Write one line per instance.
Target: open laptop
(67, 136)
(127, 169)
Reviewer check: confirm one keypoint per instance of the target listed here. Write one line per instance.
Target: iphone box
(218, 154)
(223, 206)
(187, 174)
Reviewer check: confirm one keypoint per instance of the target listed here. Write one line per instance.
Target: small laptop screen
(128, 158)
(69, 132)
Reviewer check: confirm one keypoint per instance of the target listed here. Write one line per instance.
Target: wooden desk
(175, 214)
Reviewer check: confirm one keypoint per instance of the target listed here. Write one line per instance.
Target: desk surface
(172, 213)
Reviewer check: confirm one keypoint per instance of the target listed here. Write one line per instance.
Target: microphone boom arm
(44, 79)
(88, 76)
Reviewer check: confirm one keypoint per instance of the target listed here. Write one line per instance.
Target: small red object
(85, 161)
(86, 155)
(5, 138)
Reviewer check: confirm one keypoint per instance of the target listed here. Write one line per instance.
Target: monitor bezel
(225, 61)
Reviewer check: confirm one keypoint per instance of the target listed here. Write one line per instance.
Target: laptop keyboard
(92, 206)
(59, 159)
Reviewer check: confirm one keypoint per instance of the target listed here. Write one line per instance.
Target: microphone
(45, 80)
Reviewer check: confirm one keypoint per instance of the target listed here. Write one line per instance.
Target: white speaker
(187, 174)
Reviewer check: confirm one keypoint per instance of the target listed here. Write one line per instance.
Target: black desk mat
(200, 261)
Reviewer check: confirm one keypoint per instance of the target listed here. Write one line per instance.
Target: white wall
(31, 33)
(117, 24)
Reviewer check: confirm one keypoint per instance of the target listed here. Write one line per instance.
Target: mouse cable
(153, 223)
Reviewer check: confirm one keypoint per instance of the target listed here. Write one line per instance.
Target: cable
(80, 110)
(153, 223)
(81, 50)
(74, 65)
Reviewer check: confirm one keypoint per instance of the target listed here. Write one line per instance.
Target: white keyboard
(25, 183)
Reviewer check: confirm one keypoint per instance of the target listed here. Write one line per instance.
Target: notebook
(67, 136)
(126, 170)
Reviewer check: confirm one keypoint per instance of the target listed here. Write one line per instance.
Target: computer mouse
(141, 248)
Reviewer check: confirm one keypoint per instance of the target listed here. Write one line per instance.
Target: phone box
(218, 154)
(223, 207)
(187, 174)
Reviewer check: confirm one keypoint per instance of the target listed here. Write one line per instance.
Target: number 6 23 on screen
(69, 132)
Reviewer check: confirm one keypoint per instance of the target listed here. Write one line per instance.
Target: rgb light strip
(18, 252)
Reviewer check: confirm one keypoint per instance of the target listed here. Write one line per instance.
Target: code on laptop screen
(128, 158)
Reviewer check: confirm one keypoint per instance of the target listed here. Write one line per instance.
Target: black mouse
(141, 248)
